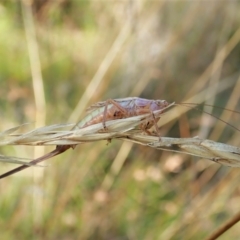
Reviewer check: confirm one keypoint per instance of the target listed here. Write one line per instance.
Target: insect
(124, 108)
(104, 111)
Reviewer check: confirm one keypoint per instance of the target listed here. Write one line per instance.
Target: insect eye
(165, 103)
(162, 102)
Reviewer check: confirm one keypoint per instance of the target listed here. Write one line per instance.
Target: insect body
(105, 111)
(120, 108)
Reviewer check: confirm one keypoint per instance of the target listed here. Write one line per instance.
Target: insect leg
(145, 127)
(117, 105)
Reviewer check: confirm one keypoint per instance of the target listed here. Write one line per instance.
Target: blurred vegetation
(168, 50)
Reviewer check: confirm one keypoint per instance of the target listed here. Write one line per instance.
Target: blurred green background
(58, 57)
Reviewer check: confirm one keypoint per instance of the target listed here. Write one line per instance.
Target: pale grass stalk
(35, 64)
(187, 24)
(195, 207)
(11, 159)
(215, 64)
(38, 95)
(221, 189)
(199, 97)
(198, 204)
(116, 166)
(231, 104)
(99, 75)
(211, 91)
(214, 79)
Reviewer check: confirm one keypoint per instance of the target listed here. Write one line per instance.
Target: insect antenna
(210, 114)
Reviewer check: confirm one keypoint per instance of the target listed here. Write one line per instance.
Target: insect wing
(96, 106)
(121, 101)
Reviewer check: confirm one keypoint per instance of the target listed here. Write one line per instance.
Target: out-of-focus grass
(172, 51)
